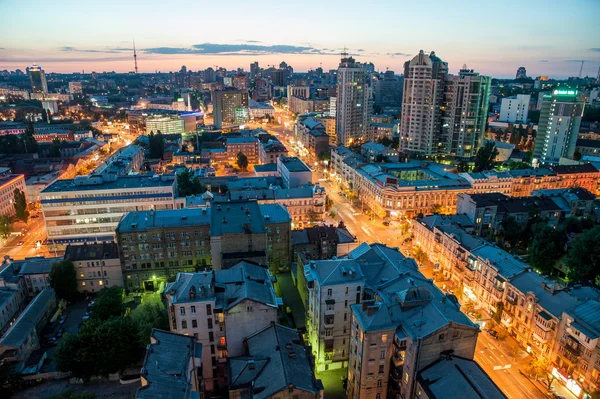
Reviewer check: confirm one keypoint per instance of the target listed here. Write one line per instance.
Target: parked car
(493, 333)
(62, 318)
(60, 332)
(49, 342)
(20, 243)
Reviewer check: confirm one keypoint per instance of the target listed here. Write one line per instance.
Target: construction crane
(581, 69)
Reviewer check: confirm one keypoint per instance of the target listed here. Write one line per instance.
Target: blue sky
(549, 37)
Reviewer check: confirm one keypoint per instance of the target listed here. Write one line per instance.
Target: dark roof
(106, 250)
(507, 204)
(588, 143)
(572, 169)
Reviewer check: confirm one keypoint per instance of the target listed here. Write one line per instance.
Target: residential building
(323, 242)
(304, 105)
(124, 161)
(489, 181)
(387, 90)
(294, 172)
(35, 271)
(10, 305)
(376, 152)
(220, 308)
(397, 331)
(97, 265)
(260, 110)
(297, 91)
(311, 136)
(407, 189)
(8, 184)
(246, 145)
(343, 164)
(23, 337)
(515, 109)
(353, 99)
(172, 367)
(380, 130)
(453, 377)
(76, 87)
(465, 112)
(488, 211)
(157, 245)
(578, 349)
(583, 175)
(230, 107)
(265, 369)
(37, 78)
(573, 202)
(521, 73)
(166, 124)
(558, 127)
(587, 147)
(422, 100)
(88, 208)
(270, 150)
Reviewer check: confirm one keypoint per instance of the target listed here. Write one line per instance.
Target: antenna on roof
(135, 57)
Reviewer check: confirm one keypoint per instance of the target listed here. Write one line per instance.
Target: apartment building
(88, 208)
(489, 181)
(246, 145)
(376, 152)
(322, 242)
(515, 109)
(97, 265)
(405, 325)
(343, 163)
(293, 171)
(574, 202)
(260, 372)
(8, 184)
(230, 107)
(333, 287)
(172, 367)
(269, 151)
(310, 134)
(221, 308)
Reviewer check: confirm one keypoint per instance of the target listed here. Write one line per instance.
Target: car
(35, 216)
(386, 223)
(340, 193)
(60, 332)
(20, 243)
(50, 342)
(493, 333)
(62, 319)
(85, 318)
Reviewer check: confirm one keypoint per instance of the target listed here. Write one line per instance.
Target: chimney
(372, 309)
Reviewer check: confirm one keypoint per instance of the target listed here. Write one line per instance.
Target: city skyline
(495, 41)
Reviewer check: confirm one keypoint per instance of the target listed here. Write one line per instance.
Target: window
(382, 355)
(182, 310)
(211, 336)
(345, 316)
(383, 337)
(210, 324)
(194, 323)
(208, 309)
(193, 309)
(379, 383)
(381, 367)
(442, 336)
(346, 290)
(346, 303)
(183, 324)
(329, 292)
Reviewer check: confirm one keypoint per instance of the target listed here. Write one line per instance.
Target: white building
(294, 172)
(97, 265)
(221, 308)
(171, 124)
(88, 208)
(515, 109)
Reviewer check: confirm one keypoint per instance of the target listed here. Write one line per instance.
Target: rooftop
(587, 317)
(588, 143)
(276, 361)
(268, 167)
(121, 183)
(457, 378)
(508, 266)
(166, 366)
(107, 250)
(293, 164)
(36, 265)
(27, 321)
(573, 169)
(236, 217)
(163, 219)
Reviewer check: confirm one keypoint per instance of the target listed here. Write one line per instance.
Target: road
(33, 231)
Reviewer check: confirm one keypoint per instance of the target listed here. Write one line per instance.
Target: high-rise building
(387, 90)
(515, 109)
(240, 81)
(465, 112)
(75, 87)
(37, 77)
(424, 79)
(560, 118)
(230, 107)
(353, 102)
(209, 75)
(278, 77)
(254, 69)
(521, 73)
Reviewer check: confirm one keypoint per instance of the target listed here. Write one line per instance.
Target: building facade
(353, 103)
(97, 266)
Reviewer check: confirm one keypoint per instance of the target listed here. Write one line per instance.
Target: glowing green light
(565, 92)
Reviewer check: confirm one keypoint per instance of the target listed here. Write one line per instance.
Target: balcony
(511, 300)
(328, 321)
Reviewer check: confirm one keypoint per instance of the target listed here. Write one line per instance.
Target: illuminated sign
(565, 92)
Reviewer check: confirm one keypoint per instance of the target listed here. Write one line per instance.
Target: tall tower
(37, 78)
(353, 103)
(422, 100)
(135, 58)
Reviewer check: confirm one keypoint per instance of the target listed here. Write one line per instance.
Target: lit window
(384, 338)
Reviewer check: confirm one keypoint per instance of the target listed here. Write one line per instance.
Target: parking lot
(75, 313)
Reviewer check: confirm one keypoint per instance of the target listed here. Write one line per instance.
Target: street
(33, 231)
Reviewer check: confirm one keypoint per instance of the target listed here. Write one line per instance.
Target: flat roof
(107, 250)
(161, 219)
(122, 182)
(294, 164)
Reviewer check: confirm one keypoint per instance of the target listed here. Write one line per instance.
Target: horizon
(494, 42)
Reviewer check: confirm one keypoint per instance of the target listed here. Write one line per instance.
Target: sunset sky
(548, 37)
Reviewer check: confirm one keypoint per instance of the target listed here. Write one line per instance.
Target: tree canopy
(5, 225)
(20, 204)
(156, 145)
(188, 184)
(109, 303)
(149, 316)
(242, 161)
(63, 280)
(583, 259)
(486, 157)
(547, 246)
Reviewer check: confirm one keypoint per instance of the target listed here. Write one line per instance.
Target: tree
(5, 225)
(512, 231)
(498, 314)
(486, 157)
(324, 156)
(10, 380)
(312, 215)
(420, 256)
(516, 135)
(64, 280)
(20, 204)
(242, 161)
(55, 149)
(516, 165)
(547, 246)
(188, 184)
(109, 302)
(577, 155)
(462, 166)
(538, 368)
(583, 259)
(156, 145)
(436, 208)
(101, 347)
(386, 141)
(149, 316)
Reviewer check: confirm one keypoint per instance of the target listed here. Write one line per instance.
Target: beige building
(96, 265)
(8, 184)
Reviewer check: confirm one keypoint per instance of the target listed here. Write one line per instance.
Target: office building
(515, 109)
(172, 367)
(297, 91)
(166, 124)
(279, 77)
(465, 113)
(353, 103)
(37, 78)
(270, 150)
(88, 208)
(294, 172)
(8, 184)
(422, 100)
(521, 73)
(97, 265)
(246, 145)
(230, 107)
(220, 308)
(263, 370)
(254, 69)
(558, 127)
